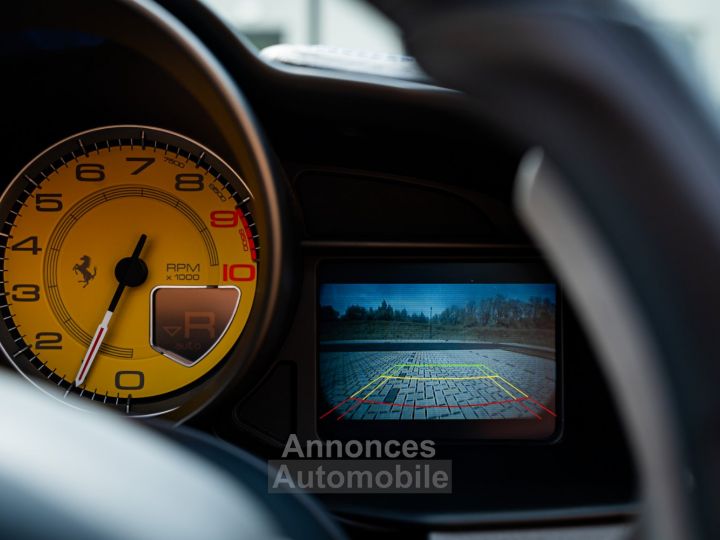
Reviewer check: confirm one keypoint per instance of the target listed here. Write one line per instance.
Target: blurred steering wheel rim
(627, 142)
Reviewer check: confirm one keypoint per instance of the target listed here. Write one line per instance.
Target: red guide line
(531, 412)
(543, 407)
(335, 407)
(352, 408)
(415, 406)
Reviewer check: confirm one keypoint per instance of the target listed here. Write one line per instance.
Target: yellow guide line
(511, 384)
(375, 389)
(503, 379)
(368, 384)
(503, 389)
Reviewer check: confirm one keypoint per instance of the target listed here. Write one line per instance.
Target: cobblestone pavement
(452, 384)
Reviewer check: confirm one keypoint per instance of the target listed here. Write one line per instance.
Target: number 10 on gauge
(238, 272)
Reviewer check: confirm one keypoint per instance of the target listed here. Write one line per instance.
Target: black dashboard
(390, 178)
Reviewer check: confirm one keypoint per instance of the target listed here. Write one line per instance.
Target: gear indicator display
(187, 322)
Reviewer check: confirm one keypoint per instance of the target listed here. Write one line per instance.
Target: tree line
(497, 311)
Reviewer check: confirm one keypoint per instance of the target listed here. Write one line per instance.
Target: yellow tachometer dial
(129, 260)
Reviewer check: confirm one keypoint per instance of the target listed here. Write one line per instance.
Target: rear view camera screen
(482, 355)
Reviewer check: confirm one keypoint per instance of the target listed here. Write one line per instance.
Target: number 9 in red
(224, 219)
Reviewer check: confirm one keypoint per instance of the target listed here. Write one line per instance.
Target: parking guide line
(533, 400)
(543, 407)
(359, 402)
(368, 384)
(520, 401)
(349, 398)
(392, 374)
(470, 378)
(441, 365)
(445, 406)
(504, 389)
(503, 379)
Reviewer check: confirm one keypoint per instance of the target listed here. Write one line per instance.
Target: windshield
(694, 27)
(338, 23)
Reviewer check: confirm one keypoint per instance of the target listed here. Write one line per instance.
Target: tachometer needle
(93, 350)
(130, 272)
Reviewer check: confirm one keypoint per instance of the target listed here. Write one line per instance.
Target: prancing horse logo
(83, 268)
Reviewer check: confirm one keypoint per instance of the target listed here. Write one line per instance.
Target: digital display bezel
(441, 272)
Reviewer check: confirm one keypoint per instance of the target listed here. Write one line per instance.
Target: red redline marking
(90, 355)
(543, 407)
(248, 235)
